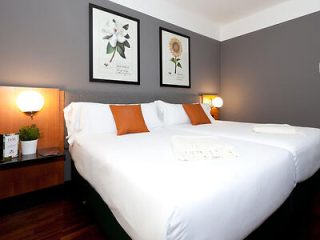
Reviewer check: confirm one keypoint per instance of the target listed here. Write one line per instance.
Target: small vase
(29, 147)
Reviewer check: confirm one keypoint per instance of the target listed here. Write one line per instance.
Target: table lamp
(215, 103)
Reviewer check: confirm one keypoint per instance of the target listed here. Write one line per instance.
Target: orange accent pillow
(196, 114)
(128, 119)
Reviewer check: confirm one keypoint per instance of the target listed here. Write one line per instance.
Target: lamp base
(215, 113)
(30, 114)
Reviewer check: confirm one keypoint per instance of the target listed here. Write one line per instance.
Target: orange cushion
(196, 114)
(128, 119)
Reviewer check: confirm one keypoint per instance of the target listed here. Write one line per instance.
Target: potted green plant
(29, 136)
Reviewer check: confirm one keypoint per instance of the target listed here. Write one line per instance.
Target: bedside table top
(29, 159)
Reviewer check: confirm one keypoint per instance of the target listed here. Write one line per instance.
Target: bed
(304, 145)
(154, 196)
(302, 142)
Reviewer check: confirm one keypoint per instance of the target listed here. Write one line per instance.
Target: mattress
(305, 145)
(154, 196)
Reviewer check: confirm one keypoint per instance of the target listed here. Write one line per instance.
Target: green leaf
(107, 37)
(126, 27)
(179, 65)
(121, 45)
(121, 52)
(127, 36)
(173, 60)
(29, 133)
(110, 49)
(127, 44)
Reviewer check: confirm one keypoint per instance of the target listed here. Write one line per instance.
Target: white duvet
(304, 144)
(156, 197)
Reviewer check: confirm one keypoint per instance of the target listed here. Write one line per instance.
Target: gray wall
(45, 43)
(272, 75)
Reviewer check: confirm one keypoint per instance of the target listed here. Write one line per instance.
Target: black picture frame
(91, 68)
(162, 84)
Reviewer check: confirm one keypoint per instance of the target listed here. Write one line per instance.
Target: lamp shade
(217, 102)
(30, 101)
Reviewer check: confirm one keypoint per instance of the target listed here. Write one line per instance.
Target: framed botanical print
(174, 59)
(114, 47)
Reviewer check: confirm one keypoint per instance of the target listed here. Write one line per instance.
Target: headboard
(49, 119)
(121, 97)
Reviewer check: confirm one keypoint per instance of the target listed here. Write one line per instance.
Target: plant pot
(29, 147)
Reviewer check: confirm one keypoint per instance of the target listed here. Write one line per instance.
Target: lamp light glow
(212, 100)
(207, 99)
(217, 102)
(30, 102)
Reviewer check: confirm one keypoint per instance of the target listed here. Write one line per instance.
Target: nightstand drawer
(23, 179)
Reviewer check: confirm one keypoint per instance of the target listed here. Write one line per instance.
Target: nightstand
(30, 173)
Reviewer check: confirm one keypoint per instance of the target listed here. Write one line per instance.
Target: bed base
(98, 208)
(290, 221)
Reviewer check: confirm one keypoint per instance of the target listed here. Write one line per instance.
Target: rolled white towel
(189, 148)
(274, 128)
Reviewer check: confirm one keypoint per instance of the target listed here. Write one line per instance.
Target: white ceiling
(224, 11)
(223, 19)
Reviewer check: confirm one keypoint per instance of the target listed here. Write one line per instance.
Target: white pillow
(88, 117)
(172, 114)
(207, 109)
(150, 115)
(98, 118)
(72, 116)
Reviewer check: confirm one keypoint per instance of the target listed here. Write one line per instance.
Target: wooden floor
(60, 218)
(64, 217)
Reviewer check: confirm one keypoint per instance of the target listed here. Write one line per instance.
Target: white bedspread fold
(191, 148)
(304, 145)
(274, 128)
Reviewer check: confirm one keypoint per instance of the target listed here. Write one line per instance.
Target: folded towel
(191, 148)
(275, 128)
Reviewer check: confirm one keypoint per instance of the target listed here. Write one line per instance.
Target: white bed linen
(304, 145)
(154, 196)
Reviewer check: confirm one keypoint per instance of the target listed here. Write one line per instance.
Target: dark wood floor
(63, 216)
(63, 219)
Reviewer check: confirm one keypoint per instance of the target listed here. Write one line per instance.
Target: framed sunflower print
(174, 59)
(114, 47)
